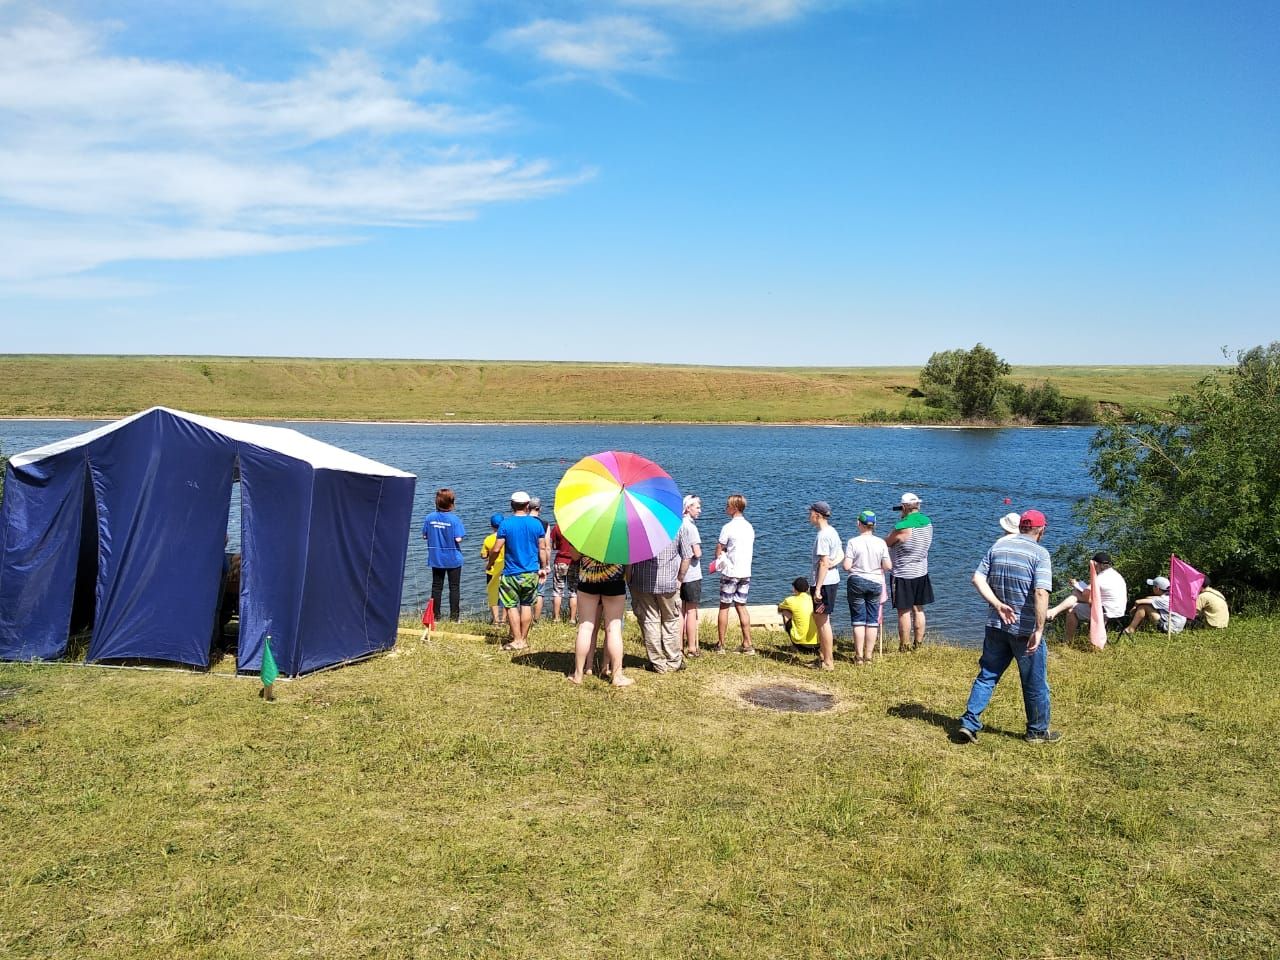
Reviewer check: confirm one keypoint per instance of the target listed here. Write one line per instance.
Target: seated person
(1113, 590)
(1154, 610)
(797, 617)
(1211, 609)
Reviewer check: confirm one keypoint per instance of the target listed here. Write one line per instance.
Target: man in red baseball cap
(1015, 578)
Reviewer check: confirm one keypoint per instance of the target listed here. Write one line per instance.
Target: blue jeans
(864, 601)
(999, 649)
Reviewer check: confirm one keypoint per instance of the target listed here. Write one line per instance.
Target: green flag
(269, 669)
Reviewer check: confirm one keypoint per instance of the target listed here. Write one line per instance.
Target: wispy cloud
(200, 162)
(601, 45)
(378, 18)
(731, 13)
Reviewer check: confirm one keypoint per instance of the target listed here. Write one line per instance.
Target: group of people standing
(1014, 577)
(523, 553)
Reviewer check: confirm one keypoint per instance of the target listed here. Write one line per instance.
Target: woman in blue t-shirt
(443, 532)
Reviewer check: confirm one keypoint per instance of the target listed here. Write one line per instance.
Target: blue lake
(963, 477)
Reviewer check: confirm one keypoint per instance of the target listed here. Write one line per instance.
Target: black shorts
(691, 592)
(610, 588)
(915, 592)
(825, 599)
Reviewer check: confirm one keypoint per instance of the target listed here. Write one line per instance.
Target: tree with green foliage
(965, 382)
(974, 384)
(1202, 481)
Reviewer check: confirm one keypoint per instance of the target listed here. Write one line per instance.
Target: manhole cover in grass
(780, 696)
(8, 693)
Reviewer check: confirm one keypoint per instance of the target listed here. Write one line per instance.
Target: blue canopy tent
(130, 519)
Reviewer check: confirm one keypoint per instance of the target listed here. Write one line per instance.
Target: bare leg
(744, 621)
(1072, 622)
(873, 633)
(1141, 615)
(860, 643)
(722, 626)
(918, 616)
(826, 640)
(904, 629)
(518, 619)
(573, 606)
(613, 610)
(690, 615)
(555, 608)
(584, 647)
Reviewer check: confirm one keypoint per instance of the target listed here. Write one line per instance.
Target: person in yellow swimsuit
(495, 574)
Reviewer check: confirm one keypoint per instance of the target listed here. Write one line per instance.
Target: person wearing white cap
(1009, 524)
(1154, 610)
(908, 545)
(523, 541)
(689, 544)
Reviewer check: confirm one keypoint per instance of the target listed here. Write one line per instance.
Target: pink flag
(1097, 618)
(1185, 582)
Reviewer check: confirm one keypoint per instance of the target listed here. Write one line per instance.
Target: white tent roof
(291, 443)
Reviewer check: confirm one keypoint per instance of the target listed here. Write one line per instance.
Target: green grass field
(452, 800)
(69, 386)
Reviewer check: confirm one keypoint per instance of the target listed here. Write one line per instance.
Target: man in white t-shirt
(827, 557)
(733, 562)
(1155, 611)
(1112, 588)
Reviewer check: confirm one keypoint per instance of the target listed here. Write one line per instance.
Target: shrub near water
(450, 800)
(1202, 482)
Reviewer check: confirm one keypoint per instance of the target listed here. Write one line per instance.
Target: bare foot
(515, 646)
(573, 678)
(621, 681)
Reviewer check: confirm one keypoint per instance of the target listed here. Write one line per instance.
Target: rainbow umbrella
(618, 507)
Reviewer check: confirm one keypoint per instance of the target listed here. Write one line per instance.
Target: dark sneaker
(965, 735)
(1048, 736)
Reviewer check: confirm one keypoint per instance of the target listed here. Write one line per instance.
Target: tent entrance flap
(84, 596)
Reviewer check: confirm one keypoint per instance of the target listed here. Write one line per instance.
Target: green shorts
(518, 590)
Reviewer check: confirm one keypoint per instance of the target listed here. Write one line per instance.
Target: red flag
(1185, 582)
(429, 614)
(1097, 618)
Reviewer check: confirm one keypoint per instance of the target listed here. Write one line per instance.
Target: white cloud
(385, 18)
(199, 162)
(602, 45)
(734, 13)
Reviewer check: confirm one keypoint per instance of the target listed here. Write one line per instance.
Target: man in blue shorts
(1015, 578)
(522, 541)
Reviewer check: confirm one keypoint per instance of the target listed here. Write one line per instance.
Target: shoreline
(886, 424)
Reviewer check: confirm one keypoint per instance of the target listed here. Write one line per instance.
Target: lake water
(963, 477)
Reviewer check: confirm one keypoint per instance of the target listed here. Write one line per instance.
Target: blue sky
(706, 181)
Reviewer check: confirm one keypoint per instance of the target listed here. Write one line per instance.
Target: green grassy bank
(452, 800)
(72, 386)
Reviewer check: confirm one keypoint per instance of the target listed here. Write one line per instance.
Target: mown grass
(79, 386)
(452, 800)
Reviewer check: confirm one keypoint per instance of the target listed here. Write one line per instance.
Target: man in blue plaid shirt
(1015, 578)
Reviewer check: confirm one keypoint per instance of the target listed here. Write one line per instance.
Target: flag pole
(268, 671)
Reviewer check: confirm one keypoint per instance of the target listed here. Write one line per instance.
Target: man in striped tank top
(909, 550)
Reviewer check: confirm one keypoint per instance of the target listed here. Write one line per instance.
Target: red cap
(1031, 519)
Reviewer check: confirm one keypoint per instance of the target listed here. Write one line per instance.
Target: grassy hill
(75, 386)
(452, 800)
